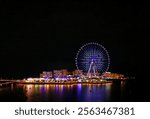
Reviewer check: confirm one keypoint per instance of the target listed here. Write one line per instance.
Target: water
(118, 91)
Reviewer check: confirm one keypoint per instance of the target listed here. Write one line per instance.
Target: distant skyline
(44, 36)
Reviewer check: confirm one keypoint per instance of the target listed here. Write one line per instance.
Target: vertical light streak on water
(108, 91)
(29, 89)
(79, 88)
(42, 89)
(36, 88)
(56, 88)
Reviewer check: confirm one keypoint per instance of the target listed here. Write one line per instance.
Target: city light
(76, 76)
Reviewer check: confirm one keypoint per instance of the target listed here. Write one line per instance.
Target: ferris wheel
(93, 59)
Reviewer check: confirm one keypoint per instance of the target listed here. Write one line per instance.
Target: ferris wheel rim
(93, 43)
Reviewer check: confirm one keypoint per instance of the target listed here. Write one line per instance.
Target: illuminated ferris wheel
(93, 59)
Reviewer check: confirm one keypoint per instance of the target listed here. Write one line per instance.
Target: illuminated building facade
(65, 75)
(60, 73)
(46, 75)
(109, 75)
(77, 73)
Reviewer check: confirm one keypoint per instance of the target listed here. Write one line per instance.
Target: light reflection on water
(116, 91)
(75, 92)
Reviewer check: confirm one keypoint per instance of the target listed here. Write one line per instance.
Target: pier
(5, 83)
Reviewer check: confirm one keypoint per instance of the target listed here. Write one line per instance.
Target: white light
(30, 79)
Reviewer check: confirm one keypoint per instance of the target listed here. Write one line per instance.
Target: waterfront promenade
(4, 82)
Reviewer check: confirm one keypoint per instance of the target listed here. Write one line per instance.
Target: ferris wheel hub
(93, 59)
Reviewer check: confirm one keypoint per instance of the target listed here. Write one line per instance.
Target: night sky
(42, 36)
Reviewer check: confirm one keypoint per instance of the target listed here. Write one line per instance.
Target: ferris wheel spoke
(94, 56)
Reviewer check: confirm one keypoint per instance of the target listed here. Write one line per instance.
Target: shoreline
(63, 83)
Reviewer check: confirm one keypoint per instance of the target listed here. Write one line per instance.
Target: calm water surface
(68, 93)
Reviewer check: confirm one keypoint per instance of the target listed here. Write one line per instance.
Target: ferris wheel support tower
(92, 70)
(93, 59)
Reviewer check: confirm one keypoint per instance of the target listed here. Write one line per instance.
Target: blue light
(92, 52)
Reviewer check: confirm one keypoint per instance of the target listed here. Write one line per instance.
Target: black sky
(37, 36)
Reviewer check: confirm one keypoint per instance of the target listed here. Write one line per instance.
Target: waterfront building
(46, 74)
(60, 73)
(77, 73)
(109, 75)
